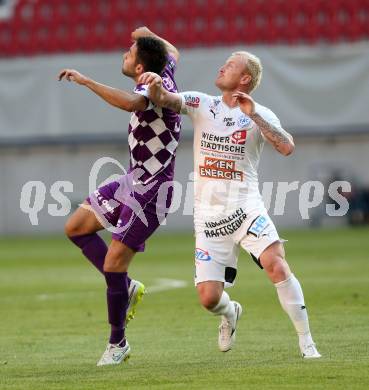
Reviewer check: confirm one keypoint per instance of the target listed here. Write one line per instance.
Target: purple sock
(94, 248)
(117, 297)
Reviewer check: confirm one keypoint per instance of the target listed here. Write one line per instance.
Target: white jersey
(227, 148)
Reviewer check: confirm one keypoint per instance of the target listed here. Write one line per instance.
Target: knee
(118, 258)
(278, 269)
(274, 263)
(70, 228)
(208, 299)
(112, 265)
(113, 261)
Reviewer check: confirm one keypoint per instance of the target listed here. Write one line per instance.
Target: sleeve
(193, 103)
(143, 89)
(269, 116)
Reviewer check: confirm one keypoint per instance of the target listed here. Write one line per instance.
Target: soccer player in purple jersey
(135, 204)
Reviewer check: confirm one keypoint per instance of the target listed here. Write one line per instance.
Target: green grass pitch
(53, 319)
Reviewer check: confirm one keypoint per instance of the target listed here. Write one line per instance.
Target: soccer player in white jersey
(229, 133)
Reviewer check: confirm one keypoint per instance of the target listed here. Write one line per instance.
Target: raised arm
(145, 32)
(279, 138)
(158, 94)
(127, 101)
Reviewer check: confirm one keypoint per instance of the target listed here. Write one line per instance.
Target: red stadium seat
(51, 26)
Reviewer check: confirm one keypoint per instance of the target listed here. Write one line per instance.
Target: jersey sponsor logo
(258, 225)
(202, 255)
(239, 137)
(225, 226)
(168, 82)
(243, 121)
(103, 202)
(217, 168)
(192, 101)
(229, 121)
(220, 144)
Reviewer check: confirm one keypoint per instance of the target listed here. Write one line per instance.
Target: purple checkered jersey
(153, 134)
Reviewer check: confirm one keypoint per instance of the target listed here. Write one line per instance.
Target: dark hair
(152, 54)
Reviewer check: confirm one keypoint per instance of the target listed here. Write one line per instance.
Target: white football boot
(114, 354)
(136, 292)
(227, 330)
(309, 351)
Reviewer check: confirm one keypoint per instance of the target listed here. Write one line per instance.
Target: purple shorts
(132, 212)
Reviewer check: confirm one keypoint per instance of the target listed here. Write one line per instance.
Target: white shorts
(218, 245)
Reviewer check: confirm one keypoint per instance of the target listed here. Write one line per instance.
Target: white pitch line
(158, 286)
(166, 284)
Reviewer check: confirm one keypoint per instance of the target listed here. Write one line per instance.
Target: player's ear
(140, 69)
(245, 79)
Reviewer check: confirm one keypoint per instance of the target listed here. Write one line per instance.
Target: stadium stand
(55, 26)
(317, 83)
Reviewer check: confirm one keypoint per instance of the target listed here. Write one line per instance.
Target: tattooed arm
(279, 138)
(171, 100)
(159, 95)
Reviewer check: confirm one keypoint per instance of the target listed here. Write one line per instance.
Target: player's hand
(140, 32)
(73, 75)
(153, 80)
(245, 102)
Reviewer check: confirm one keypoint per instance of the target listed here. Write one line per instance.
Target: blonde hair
(253, 68)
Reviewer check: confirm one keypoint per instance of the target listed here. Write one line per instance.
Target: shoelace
(107, 350)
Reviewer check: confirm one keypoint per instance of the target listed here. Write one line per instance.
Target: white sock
(225, 308)
(292, 300)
